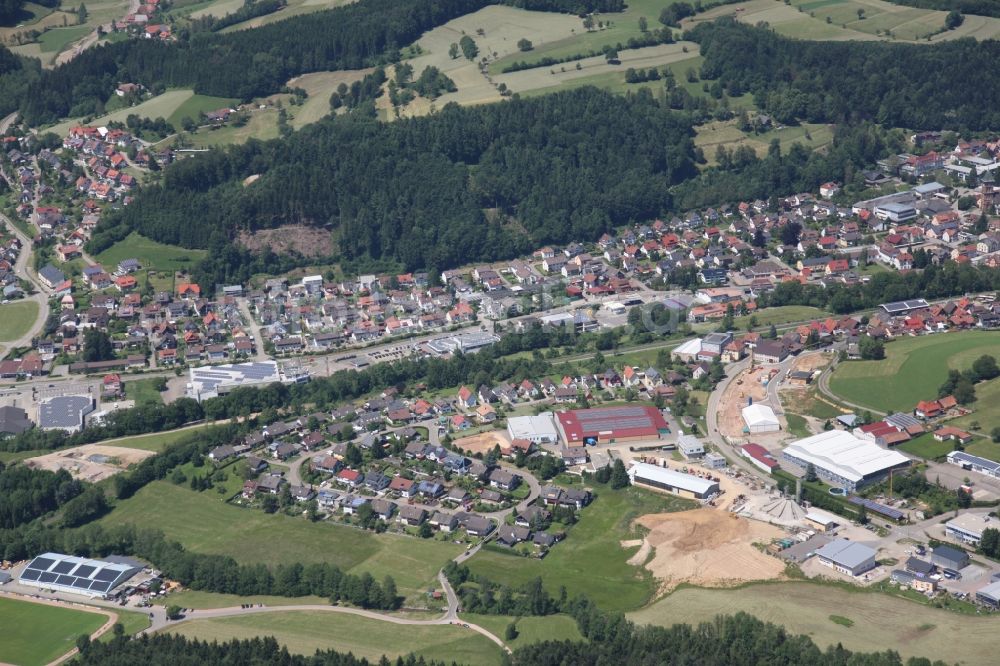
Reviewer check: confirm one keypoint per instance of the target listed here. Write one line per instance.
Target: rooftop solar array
(209, 378)
(617, 417)
(76, 574)
(882, 509)
(904, 306)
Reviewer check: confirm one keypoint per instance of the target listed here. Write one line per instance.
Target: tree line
(980, 7)
(27, 493)
(563, 166)
(490, 598)
(198, 571)
(897, 85)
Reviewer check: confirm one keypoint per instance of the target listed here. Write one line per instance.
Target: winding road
(24, 271)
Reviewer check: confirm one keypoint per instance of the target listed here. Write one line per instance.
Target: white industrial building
(760, 418)
(678, 483)
(847, 557)
(968, 527)
(210, 381)
(690, 447)
(540, 429)
(687, 351)
(843, 459)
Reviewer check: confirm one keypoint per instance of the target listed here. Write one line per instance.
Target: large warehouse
(847, 557)
(210, 381)
(611, 424)
(540, 429)
(843, 459)
(77, 575)
(678, 483)
(760, 418)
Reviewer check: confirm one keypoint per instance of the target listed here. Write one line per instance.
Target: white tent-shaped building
(760, 418)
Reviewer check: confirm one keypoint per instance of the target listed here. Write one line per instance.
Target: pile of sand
(707, 547)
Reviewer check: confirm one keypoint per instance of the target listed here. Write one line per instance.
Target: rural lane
(24, 271)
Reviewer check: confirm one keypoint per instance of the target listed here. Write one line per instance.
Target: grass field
(150, 254)
(591, 560)
(880, 621)
(294, 8)
(153, 442)
(197, 599)
(195, 105)
(530, 629)
(985, 448)
(143, 391)
(38, 633)
(986, 408)
(797, 425)
(55, 40)
(927, 447)
(204, 523)
(808, 19)
(161, 106)
(725, 133)
(913, 369)
(16, 319)
(132, 622)
(305, 632)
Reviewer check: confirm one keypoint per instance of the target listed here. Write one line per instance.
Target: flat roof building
(989, 595)
(540, 429)
(65, 412)
(690, 447)
(760, 418)
(968, 527)
(847, 557)
(76, 575)
(611, 424)
(975, 463)
(215, 380)
(843, 459)
(678, 483)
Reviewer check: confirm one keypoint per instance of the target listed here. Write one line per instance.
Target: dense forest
(26, 493)
(564, 166)
(934, 86)
(738, 640)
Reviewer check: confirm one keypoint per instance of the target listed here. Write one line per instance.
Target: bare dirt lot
(747, 385)
(82, 464)
(707, 547)
(811, 362)
(307, 241)
(483, 442)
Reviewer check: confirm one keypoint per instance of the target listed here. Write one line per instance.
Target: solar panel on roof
(65, 580)
(882, 509)
(46, 577)
(106, 574)
(42, 563)
(85, 570)
(63, 567)
(100, 586)
(30, 574)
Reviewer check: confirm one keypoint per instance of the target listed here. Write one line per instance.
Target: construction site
(90, 462)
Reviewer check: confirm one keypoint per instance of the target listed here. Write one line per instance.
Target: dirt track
(707, 547)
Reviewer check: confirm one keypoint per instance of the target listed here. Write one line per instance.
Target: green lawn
(198, 599)
(16, 319)
(912, 371)
(38, 633)
(154, 441)
(204, 523)
(530, 629)
(591, 560)
(132, 622)
(195, 105)
(305, 632)
(143, 391)
(880, 621)
(55, 40)
(984, 448)
(927, 447)
(150, 254)
(797, 425)
(986, 408)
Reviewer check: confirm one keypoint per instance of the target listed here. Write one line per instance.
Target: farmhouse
(611, 424)
(847, 557)
(760, 418)
(678, 483)
(540, 429)
(843, 459)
